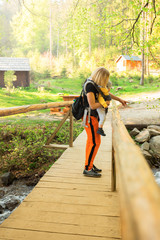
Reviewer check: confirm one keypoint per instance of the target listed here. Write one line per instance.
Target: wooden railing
(139, 193)
(34, 107)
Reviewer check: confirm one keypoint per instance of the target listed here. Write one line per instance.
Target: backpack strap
(97, 88)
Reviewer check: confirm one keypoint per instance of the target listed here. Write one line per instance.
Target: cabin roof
(127, 57)
(14, 64)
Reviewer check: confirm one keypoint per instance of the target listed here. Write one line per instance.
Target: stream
(156, 173)
(11, 197)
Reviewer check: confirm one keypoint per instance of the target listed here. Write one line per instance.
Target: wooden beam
(58, 146)
(57, 129)
(33, 107)
(139, 193)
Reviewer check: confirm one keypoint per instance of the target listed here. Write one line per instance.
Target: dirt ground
(143, 109)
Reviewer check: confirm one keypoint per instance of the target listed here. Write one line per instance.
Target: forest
(73, 37)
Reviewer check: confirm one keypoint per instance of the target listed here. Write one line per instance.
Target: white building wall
(120, 66)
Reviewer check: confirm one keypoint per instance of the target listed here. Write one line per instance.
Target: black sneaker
(101, 132)
(96, 169)
(91, 173)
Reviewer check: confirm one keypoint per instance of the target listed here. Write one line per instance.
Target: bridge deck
(65, 205)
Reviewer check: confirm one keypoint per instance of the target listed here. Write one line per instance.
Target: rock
(32, 181)
(12, 204)
(155, 127)
(134, 132)
(153, 132)
(1, 209)
(145, 146)
(149, 158)
(2, 192)
(154, 145)
(119, 88)
(147, 155)
(7, 178)
(143, 136)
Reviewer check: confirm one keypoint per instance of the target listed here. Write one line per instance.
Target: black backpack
(78, 107)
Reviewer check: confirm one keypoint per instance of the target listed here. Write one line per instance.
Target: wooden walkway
(65, 205)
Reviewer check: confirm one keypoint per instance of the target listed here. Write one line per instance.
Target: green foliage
(21, 144)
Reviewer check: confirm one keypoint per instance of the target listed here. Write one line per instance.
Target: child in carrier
(102, 111)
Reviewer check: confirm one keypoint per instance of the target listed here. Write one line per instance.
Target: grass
(63, 85)
(26, 97)
(66, 86)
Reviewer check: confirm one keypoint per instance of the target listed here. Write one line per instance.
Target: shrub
(21, 147)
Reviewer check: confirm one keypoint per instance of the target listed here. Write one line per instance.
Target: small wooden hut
(125, 62)
(21, 67)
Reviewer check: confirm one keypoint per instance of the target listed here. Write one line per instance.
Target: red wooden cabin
(125, 62)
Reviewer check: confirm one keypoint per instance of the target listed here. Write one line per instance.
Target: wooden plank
(70, 208)
(71, 185)
(58, 146)
(19, 234)
(139, 193)
(77, 226)
(106, 182)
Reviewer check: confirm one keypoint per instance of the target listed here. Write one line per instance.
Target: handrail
(33, 107)
(139, 193)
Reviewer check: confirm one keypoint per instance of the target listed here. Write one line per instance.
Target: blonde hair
(100, 76)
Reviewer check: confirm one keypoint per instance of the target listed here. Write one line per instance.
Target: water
(11, 197)
(156, 173)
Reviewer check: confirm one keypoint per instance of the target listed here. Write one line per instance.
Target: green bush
(21, 147)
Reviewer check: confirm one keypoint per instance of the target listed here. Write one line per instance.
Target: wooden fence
(139, 193)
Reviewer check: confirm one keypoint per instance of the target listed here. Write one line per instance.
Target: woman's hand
(124, 102)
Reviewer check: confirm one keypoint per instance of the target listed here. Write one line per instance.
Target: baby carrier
(79, 108)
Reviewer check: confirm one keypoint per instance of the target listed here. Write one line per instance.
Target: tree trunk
(58, 43)
(142, 46)
(90, 39)
(50, 35)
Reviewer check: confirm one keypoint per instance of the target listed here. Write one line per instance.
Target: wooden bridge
(65, 205)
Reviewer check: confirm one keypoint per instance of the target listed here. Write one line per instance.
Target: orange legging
(93, 142)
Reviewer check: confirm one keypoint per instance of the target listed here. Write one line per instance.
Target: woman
(99, 76)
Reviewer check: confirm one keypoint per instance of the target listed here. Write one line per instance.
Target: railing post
(71, 127)
(113, 180)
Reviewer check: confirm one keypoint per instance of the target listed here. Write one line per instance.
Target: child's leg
(102, 116)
